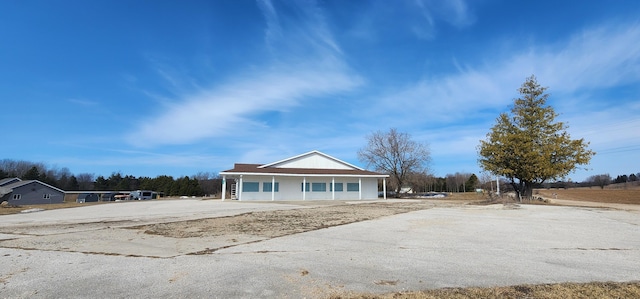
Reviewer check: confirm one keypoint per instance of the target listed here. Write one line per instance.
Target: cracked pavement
(159, 249)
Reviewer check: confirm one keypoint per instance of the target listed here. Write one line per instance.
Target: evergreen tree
(32, 174)
(529, 147)
(471, 184)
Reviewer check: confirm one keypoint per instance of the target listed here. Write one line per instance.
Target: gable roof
(313, 163)
(23, 183)
(312, 159)
(7, 181)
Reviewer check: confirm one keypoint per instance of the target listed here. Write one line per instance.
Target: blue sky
(148, 88)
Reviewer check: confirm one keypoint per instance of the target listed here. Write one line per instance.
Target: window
(303, 187)
(17, 196)
(338, 187)
(353, 187)
(250, 187)
(319, 187)
(266, 187)
(46, 196)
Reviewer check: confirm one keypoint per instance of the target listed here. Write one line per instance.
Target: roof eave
(307, 174)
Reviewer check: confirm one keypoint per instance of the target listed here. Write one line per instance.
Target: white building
(319, 175)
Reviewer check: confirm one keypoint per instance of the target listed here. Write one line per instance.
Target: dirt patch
(559, 290)
(279, 223)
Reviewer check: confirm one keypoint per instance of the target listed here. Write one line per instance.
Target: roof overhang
(306, 174)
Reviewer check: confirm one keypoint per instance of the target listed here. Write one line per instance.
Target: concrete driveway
(439, 247)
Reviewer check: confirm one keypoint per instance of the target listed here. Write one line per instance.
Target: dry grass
(272, 224)
(17, 209)
(471, 196)
(603, 290)
(630, 195)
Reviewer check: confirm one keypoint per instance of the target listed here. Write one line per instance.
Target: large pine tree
(528, 146)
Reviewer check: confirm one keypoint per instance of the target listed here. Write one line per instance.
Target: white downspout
(333, 188)
(384, 188)
(359, 188)
(304, 188)
(239, 187)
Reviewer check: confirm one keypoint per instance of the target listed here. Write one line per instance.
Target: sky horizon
(177, 88)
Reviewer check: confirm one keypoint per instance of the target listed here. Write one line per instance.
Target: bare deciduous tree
(600, 180)
(85, 181)
(397, 154)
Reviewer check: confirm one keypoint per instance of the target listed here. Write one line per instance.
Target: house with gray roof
(309, 176)
(30, 192)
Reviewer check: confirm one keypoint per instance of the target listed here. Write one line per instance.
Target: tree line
(200, 184)
(602, 180)
(458, 182)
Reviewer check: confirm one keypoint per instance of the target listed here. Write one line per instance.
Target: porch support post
(384, 188)
(333, 188)
(359, 188)
(304, 188)
(224, 187)
(273, 188)
(239, 189)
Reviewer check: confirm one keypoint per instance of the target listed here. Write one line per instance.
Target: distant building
(310, 176)
(87, 197)
(31, 192)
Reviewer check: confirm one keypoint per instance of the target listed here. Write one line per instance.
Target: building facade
(310, 176)
(31, 192)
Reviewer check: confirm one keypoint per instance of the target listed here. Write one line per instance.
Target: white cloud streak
(582, 64)
(213, 112)
(307, 64)
(419, 17)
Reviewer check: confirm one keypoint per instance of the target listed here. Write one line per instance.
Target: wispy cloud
(300, 34)
(214, 112)
(83, 102)
(581, 64)
(454, 12)
(419, 17)
(306, 63)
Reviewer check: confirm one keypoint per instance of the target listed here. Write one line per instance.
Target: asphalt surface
(440, 247)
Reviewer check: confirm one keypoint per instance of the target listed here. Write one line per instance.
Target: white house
(310, 176)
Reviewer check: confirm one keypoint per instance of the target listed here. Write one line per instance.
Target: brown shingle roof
(253, 168)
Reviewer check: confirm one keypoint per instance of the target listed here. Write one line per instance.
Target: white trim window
(319, 187)
(250, 187)
(266, 187)
(17, 196)
(46, 196)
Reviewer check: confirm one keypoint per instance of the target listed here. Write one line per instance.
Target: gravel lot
(194, 248)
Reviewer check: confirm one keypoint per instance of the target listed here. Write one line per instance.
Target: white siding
(290, 188)
(314, 161)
